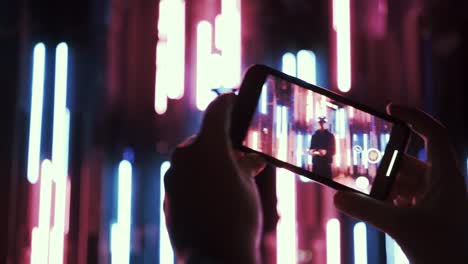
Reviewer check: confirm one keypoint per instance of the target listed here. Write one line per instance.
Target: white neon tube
(333, 241)
(35, 122)
(360, 243)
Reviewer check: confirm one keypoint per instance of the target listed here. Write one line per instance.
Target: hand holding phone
(430, 204)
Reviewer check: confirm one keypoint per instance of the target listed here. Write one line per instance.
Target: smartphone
(316, 133)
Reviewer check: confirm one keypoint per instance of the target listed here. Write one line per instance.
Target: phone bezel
(246, 105)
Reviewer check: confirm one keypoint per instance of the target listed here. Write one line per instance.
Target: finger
(437, 141)
(251, 164)
(217, 119)
(421, 122)
(411, 180)
(380, 214)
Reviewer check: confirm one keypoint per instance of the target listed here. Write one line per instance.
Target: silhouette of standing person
(322, 148)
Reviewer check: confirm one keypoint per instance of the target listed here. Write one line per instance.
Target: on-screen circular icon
(373, 155)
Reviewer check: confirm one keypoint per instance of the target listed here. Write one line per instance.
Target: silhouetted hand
(429, 213)
(212, 205)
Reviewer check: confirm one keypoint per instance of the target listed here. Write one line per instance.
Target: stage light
(166, 255)
(35, 121)
(342, 27)
(121, 230)
(362, 183)
(360, 243)
(394, 253)
(170, 53)
(333, 241)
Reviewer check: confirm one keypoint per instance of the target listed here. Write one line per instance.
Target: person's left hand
(212, 206)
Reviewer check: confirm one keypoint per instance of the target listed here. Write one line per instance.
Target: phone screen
(318, 134)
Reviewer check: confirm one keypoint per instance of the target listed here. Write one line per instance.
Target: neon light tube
(231, 42)
(307, 66)
(166, 255)
(204, 95)
(289, 64)
(35, 122)
(263, 100)
(120, 231)
(286, 233)
(333, 241)
(360, 243)
(342, 25)
(40, 234)
(170, 54)
(394, 253)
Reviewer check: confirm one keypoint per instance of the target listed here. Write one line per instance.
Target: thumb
(380, 214)
(217, 120)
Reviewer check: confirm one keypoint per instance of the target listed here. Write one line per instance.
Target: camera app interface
(313, 132)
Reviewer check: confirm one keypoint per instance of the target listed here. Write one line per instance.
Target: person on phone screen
(322, 148)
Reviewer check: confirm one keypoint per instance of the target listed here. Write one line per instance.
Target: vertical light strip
(342, 27)
(286, 233)
(170, 54)
(355, 152)
(35, 122)
(60, 152)
(333, 241)
(255, 139)
(289, 64)
(204, 95)
(121, 230)
(40, 234)
(307, 66)
(337, 152)
(264, 100)
(360, 243)
(166, 255)
(364, 157)
(286, 230)
(299, 150)
(231, 43)
(394, 253)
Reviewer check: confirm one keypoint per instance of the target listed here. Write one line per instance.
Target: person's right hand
(429, 214)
